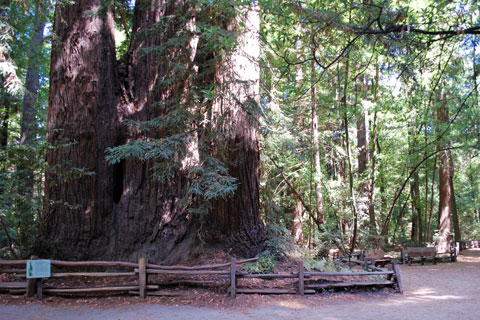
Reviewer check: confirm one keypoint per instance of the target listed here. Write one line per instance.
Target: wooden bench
(421, 254)
(376, 257)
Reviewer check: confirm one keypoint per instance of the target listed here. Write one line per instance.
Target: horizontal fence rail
(301, 282)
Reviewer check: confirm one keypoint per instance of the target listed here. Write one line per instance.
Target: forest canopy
(164, 127)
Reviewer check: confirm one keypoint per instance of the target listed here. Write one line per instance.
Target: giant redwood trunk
(97, 210)
(234, 113)
(82, 121)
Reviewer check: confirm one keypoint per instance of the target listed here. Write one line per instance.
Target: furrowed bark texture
(238, 76)
(121, 212)
(153, 222)
(81, 119)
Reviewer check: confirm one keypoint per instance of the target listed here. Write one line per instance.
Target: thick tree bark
(148, 213)
(238, 78)
(82, 118)
(121, 212)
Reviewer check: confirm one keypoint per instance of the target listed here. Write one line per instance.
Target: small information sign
(38, 269)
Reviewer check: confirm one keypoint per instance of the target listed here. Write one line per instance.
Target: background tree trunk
(26, 177)
(27, 129)
(444, 185)
(316, 148)
(414, 186)
(455, 221)
(297, 226)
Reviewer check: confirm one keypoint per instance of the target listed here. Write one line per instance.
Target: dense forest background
(286, 127)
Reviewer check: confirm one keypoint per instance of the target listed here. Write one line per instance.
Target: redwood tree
(148, 110)
(444, 183)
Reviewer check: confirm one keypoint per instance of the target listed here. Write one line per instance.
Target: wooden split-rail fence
(303, 282)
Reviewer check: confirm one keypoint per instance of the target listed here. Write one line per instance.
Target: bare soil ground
(442, 291)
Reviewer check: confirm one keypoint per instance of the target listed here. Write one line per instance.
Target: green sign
(38, 269)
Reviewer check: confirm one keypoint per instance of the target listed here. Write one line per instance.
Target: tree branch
(407, 28)
(297, 195)
(9, 239)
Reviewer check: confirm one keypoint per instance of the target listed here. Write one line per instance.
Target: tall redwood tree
(97, 210)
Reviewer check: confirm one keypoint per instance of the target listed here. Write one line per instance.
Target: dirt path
(432, 292)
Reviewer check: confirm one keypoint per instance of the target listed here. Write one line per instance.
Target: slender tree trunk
(26, 178)
(297, 226)
(399, 224)
(4, 95)
(363, 142)
(445, 187)
(416, 209)
(474, 67)
(350, 186)
(414, 187)
(428, 228)
(425, 233)
(316, 149)
(455, 220)
(297, 217)
(373, 164)
(32, 81)
(363, 161)
(5, 118)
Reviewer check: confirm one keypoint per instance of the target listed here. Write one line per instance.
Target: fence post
(390, 268)
(39, 289)
(233, 278)
(398, 277)
(301, 283)
(31, 283)
(142, 277)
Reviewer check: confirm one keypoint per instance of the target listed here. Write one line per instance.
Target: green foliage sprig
(266, 264)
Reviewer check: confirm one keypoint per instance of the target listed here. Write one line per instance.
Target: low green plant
(320, 264)
(279, 243)
(265, 264)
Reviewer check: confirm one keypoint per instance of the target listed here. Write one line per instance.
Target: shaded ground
(432, 292)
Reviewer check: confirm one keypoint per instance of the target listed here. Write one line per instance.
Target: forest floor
(431, 292)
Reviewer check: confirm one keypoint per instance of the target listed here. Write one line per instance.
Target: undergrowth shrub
(266, 264)
(279, 243)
